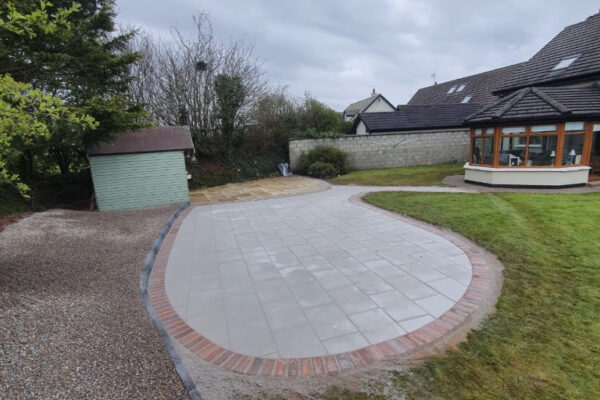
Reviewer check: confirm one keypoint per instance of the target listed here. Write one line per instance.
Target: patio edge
(189, 384)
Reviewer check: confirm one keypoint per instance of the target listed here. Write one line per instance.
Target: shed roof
(581, 39)
(359, 106)
(543, 103)
(410, 117)
(159, 138)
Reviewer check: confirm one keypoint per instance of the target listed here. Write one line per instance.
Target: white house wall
(379, 105)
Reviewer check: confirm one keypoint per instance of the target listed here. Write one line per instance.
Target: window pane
(514, 129)
(477, 131)
(543, 128)
(451, 89)
(488, 151)
(573, 149)
(489, 131)
(542, 150)
(574, 126)
(476, 153)
(512, 151)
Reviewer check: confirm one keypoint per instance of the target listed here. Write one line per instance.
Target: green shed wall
(131, 181)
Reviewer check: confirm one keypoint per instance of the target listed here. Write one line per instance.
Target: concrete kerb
(188, 382)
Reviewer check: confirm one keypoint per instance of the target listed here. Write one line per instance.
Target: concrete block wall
(392, 149)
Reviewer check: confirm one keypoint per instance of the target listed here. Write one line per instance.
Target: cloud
(340, 50)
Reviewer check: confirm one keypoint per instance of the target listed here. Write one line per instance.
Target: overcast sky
(340, 50)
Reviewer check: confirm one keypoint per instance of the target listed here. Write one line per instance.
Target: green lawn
(426, 175)
(544, 340)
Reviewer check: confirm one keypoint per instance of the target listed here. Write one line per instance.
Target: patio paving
(257, 190)
(308, 276)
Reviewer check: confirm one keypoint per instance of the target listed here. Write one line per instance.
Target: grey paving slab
(309, 275)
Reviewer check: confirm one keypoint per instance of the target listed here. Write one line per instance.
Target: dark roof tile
(411, 117)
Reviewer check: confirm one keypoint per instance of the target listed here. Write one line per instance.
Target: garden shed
(141, 169)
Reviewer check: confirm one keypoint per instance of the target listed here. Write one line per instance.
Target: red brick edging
(433, 332)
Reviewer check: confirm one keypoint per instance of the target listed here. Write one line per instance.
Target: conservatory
(561, 149)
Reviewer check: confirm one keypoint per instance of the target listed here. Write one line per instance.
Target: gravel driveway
(72, 321)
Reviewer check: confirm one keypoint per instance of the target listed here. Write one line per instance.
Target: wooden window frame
(482, 136)
(560, 134)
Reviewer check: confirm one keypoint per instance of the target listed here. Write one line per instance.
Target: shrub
(323, 170)
(325, 154)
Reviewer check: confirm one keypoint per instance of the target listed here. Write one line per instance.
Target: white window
(565, 62)
(466, 99)
(543, 128)
(461, 87)
(451, 90)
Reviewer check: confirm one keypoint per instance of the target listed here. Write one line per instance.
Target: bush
(324, 154)
(323, 170)
(239, 168)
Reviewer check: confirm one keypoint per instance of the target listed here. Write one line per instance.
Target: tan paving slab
(257, 190)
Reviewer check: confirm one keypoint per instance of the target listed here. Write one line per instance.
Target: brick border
(436, 331)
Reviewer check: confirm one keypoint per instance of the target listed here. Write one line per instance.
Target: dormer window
(451, 90)
(466, 99)
(565, 62)
(461, 87)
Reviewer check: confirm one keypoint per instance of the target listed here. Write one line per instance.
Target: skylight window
(461, 87)
(466, 99)
(451, 90)
(565, 62)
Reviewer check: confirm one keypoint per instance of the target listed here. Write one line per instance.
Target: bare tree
(176, 78)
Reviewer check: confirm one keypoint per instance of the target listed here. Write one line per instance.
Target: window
(512, 151)
(451, 90)
(482, 146)
(573, 149)
(542, 150)
(466, 99)
(574, 126)
(513, 130)
(543, 128)
(565, 62)
(461, 87)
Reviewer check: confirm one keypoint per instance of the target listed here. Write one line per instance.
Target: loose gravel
(72, 323)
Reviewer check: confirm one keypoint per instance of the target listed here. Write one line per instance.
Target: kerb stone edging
(188, 382)
(478, 299)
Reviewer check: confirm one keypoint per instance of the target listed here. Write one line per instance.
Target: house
(536, 123)
(544, 130)
(141, 169)
(374, 103)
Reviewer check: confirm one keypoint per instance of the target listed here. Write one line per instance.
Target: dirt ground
(72, 321)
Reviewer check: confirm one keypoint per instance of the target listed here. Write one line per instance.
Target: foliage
(325, 154)
(423, 175)
(27, 118)
(37, 20)
(11, 201)
(317, 117)
(542, 341)
(230, 93)
(196, 81)
(238, 168)
(69, 51)
(322, 170)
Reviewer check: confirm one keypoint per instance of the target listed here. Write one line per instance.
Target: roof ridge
(518, 97)
(554, 103)
(485, 109)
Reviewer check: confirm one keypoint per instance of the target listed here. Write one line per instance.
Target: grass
(11, 202)
(425, 175)
(543, 342)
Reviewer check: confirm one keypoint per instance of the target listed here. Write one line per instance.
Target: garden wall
(392, 149)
